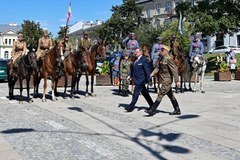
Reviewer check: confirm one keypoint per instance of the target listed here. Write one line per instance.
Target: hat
(159, 38)
(66, 36)
(166, 47)
(85, 32)
(132, 34)
(173, 36)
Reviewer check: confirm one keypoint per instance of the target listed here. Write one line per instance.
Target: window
(13, 41)
(158, 9)
(168, 7)
(5, 41)
(6, 54)
(10, 41)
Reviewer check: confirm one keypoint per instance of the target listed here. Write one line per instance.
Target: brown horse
(181, 64)
(26, 67)
(48, 68)
(98, 51)
(72, 63)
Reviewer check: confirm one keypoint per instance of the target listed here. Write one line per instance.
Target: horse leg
(10, 82)
(55, 88)
(44, 89)
(201, 82)
(190, 80)
(87, 83)
(92, 82)
(21, 89)
(195, 82)
(77, 82)
(28, 88)
(181, 86)
(73, 84)
(65, 86)
(52, 85)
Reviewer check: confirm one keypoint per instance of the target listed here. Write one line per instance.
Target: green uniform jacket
(167, 69)
(125, 68)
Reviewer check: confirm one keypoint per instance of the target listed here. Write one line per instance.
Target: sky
(52, 14)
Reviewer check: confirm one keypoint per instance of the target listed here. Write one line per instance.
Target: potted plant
(223, 73)
(103, 79)
(237, 74)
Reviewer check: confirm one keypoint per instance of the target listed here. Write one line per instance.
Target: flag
(180, 27)
(69, 12)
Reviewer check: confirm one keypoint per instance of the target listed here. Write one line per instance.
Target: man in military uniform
(85, 43)
(124, 72)
(131, 44)
(67, 46)
(168, 72)
(196, 48)
(44, 44)
(156, 49)
(19, 49)
(174, 47)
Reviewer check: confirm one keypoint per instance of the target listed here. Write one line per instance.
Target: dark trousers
(145, 93)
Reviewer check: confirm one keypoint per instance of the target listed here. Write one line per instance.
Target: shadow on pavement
(17, 130)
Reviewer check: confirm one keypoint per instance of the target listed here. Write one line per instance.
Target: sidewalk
(99, 128)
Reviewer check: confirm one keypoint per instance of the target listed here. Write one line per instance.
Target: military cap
(66, 36)
(132, 34)
(164, 47)
(85, 32)
(173, 36)
(159, 38)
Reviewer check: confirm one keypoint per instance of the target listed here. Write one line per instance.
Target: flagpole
(69, 14)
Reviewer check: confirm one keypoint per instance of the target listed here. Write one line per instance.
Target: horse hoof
(44, 100)
(193, 91)
(203, 91)
(20, 102)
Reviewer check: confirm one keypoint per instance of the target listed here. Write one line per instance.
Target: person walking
(140, 75)
(168, 72)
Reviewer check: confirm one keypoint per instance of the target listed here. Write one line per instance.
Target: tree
(212, 16)
(32, 32)
(61, 32)
(147, 34)
(183, 40)
(126, 18)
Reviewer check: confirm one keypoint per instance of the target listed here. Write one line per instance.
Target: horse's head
(59, 49)
(101, 50)
(84, 60)
(198, 61)
(32, 59)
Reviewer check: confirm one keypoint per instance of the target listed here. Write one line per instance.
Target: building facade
(8, 35)
(161, 12)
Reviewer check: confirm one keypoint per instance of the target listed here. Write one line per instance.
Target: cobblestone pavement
(98, 127)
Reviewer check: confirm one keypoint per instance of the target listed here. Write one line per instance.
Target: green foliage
(32, 32)
(223, 67)
(211, 17)
(104, 69)
(62, 32)
(126, 18)
(146, 34)
(172, 28)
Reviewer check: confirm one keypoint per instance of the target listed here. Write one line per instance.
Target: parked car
(224, 49)
(3, 69)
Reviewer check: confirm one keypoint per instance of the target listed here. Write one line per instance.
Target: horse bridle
(28, 66)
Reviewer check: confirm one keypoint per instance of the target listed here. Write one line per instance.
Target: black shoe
(130, 108)
(178, 112)
(150, 111)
